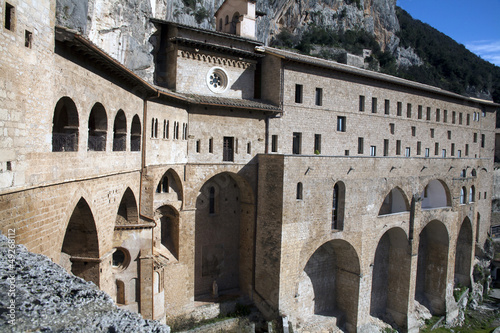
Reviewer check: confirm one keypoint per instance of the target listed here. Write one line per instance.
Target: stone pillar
(146, 283)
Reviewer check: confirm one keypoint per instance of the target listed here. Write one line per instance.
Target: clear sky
(473, 23)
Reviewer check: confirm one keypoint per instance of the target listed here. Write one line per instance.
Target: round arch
(65, 126)
(463, 254)
(135, 134)
(120, 132)
(436, 194)
(98, 127)
(394, 202)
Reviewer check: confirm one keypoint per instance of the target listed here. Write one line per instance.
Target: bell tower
(237, 17)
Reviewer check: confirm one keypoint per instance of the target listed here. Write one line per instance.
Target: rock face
(48, 299)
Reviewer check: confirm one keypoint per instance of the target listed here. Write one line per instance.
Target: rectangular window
(453, 117)
(419, 147)
(28, 37)
(386, 147)
(460, 118)
(274, 144)
(443, 153)
(211, 145)
(432, 132)
(164, 129)
(319, 96)
(398, 147)
(474, 138)
(198, 143)
(341, 124)
(427, 152)
(249, 148)
(483, 140)
(468, 119)
(9, 17)
(374, 105)
(392, 127)
(413, 131)
(228, 149)
(298, 93)
(360, 145)
(407, 152)
(445, 116)
(419, 115)
(438, 115)
(466, 149)
(346, 152)
(297, 143)
(317, 143)
(361, 103)
(373, 151)
(408, 110)
(459, 153)
(399, 109)
(483, 113)
(452, 153)
(428, 113)
(449, 135)
(436, 148)
(387, 106)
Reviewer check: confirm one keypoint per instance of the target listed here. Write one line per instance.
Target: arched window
(120, 132)
(163, 185)
(463, 174)
(65, 126)
(435, 195)
(474, 173)
(98, 125)
(211, 200)
(338, 203)
(299, 191)
(135, 134)
(462, 195)
(472, 194)
(234, 23)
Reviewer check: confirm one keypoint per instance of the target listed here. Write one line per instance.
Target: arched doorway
(432, 266)
(224, 236)
(80, 249)
(329, 284)
(390, 278)
(463, 256)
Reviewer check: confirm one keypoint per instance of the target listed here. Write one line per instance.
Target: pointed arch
(394, 202)
(436, 195)
(127, 210)
(120, 132)
(65, 126)
(169, 186)
(135, 134)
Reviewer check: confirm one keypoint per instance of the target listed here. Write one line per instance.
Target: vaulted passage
(390, 279)
(432, 267)
(224, 236)
(329, 284)
(463, 254)
(80, 249)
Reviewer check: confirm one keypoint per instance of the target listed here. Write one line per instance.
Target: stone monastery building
(312, 189)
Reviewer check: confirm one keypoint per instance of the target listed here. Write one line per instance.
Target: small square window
(346, 152)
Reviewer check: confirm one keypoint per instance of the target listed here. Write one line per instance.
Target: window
(483, 113)
(274, 143)
(297, 143)
(419, 147)
(28, 38)
(427, 152)
(317, 143)
(452, 153)
(135, 134)
(449, 135)
(459, 153)
(227, 19)
(98, 124)
(319, 96)
(419, 114)
(399, 109)
(428, 113)
(65, 126)
(338, 202)
(211, 145)
(460, 118)
(483, 140)
(154, 128)
(474, 138)
(220, 24)
(407, 152)
(387, 106)
(211, 200)
(462, 196)
(360, 145)
(198, 143)
(374, 105)
(346, 152)
(463, 173)
(453, 117)
(361, 103)
(474, 117)
(164, 129)
(217, 80)
(438, 115)
(436, 148)
(392, 128)
(184, 131)
(9, 17)
(341, 124)
(398, 147)
(299, 191)
(466, 149)
(386, 147)
(432, 132)
(408, 110)
(467, 120)
(443, 153)
(249, 147)
(236, 146)
(373, 151)
(413, 131)
(298, 93)
(228, 149)
(120, 131)
(445, 116)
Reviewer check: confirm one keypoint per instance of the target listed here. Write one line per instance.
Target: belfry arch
(80, 249)
(432, 267)
(463, 254)
(390, 276)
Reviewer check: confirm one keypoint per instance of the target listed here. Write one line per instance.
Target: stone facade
(312, 189)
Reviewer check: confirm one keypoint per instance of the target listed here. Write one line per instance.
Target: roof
(231, 102)
(323, 63)
(215, 47)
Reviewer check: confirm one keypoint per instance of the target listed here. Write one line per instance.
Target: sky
(473, 23)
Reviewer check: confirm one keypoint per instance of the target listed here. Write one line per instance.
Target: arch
(235, 21)
(120, 292)
(390, 276)
(463, 256)
(463, 197)
(227, 19)
(220, 24)
(394, 202)
(436, 195)
(65, 126)
(472, 194)
(120, 132)
(170, 186)
(81, 244)
(98, 128)
(127, 211)
(299, 191)
(432, 266)
(329, 283)
(135, 134)
(463, 173)
(338, 205)
(473, 173)
(167, 220)
(224, 236)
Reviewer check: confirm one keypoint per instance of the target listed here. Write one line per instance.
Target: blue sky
(473, 23)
